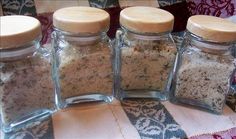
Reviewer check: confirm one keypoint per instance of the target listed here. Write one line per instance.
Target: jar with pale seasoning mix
(206, 63)
(26, 86)
(83, 67)
(146, 53)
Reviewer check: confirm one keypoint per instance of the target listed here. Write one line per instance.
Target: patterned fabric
(104, 3)
(181, 14)
(38, 130)
(115, 3)
(231, 101)
(152, 120)
(163, 3)
(149, 117)
(229, 134)
(46, 22)
(19, 7)
(220, 8)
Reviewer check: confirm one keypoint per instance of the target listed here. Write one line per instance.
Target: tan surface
(212, 28)
(195, 122)
(127, 3)
(81, 20)
(46, 6)
(108, 121)
(18, 30)
(100, 121)
(146, 19)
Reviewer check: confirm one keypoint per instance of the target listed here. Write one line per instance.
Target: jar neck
(21, 52)
(131, 39)
(146, 36)
(80, 38)
(207, 46)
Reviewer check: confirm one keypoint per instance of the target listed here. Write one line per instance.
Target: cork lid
(146, 19)
(212, 28)
(18, 30)
(81, 20)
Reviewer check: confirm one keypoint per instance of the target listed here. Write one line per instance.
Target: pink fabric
(219, 8)
(228, 134)
(46, 22)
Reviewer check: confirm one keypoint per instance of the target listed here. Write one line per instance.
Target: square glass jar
(205, 69)
(27, 92)
(144, 64)
(145, 53)
(83, 56)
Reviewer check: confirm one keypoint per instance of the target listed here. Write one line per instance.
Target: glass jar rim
(23, 51)
(208, 46)
(145, 34)
(199, 38)
(78, 34)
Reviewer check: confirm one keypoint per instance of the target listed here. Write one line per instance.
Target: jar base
(194, 104)
(26, 120)
(155, 94)
(87, 98)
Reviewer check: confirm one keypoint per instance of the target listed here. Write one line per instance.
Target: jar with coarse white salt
(83, 56)
(145, 53)
(206, 65)
(26, 86)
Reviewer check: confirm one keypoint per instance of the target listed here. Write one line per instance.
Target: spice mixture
(86, 70)
(25, 87)
(203, 79)
(146, 66)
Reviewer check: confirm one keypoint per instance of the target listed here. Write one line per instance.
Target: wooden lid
(18, 30)
(212, 28)
(146, 19)
(81, 20)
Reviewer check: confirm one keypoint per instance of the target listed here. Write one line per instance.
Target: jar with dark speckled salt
(206, 64)
(26, 87)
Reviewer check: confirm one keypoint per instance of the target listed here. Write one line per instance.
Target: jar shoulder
(193, 56)
(40, 58)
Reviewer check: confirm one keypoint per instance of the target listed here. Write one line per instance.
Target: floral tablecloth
(131, 119)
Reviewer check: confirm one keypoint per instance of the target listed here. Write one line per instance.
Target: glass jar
(83, 55)
(26, 86)
(146, 53)
(206, 63)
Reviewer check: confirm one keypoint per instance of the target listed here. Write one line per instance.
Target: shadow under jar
(145, 52)
(206, 64)
(83, 67)
(26, 86)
